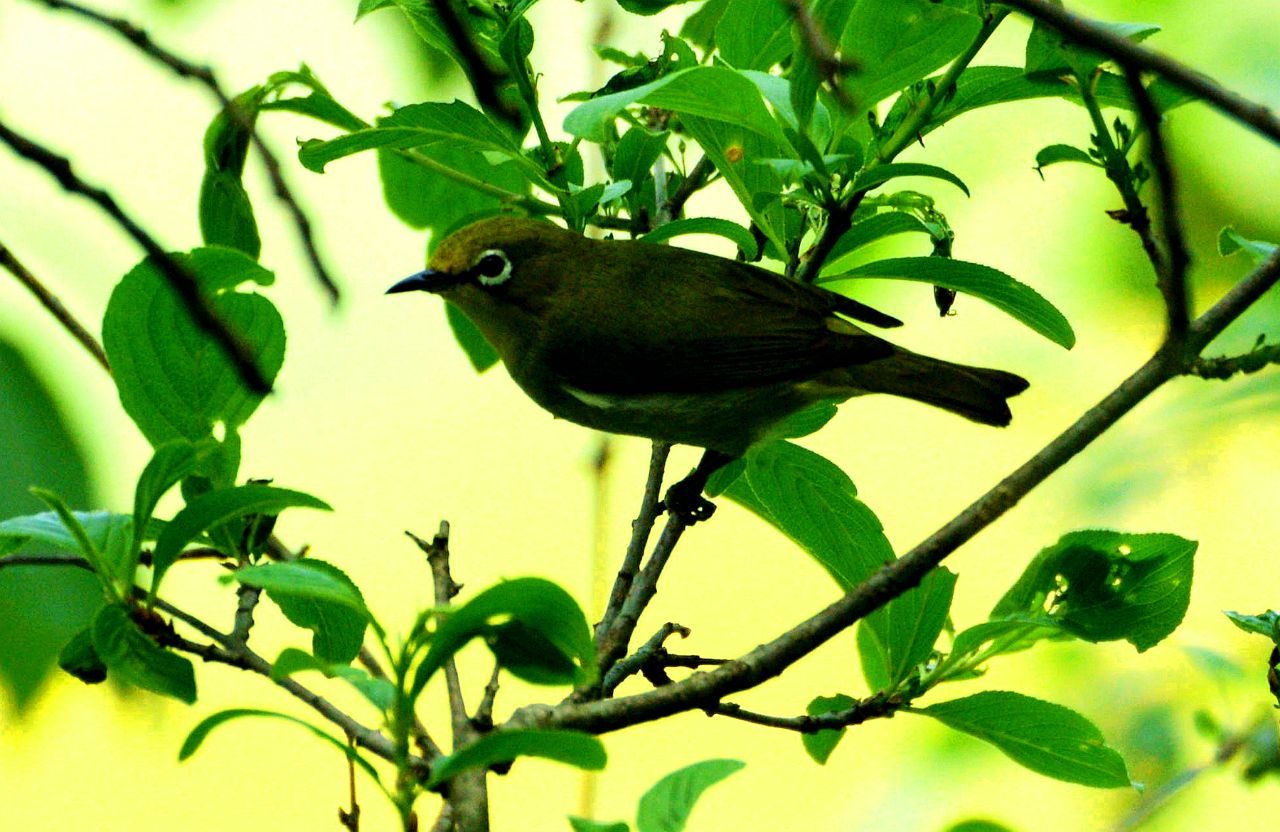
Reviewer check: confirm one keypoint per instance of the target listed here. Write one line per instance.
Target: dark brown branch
(702, 690)
(186, 69)
(1094, 35)
(54, 306)
(175, 272)
(1172, 269)
(484, 78)
(874, 708)
(839, 221)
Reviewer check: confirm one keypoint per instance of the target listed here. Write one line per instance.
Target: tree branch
(830, 65)
(634, 663)
(872, 708)
(1224, 367)
(54, 306)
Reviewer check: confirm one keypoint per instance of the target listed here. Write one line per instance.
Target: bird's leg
(685, 500)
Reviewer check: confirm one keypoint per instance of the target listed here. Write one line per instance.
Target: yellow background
(379, 413)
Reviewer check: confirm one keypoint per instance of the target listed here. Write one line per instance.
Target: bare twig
(673, 206)
(350, 818)
(1225, 366)
(186, 69)
(839, 221)
(483, 718)
(55, 307)
(872, 708)
(246, 600)
(1092, 34)
(175, 272)
(1172, 273)
(632, 664)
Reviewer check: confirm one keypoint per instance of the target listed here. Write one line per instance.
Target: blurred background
(378, 412)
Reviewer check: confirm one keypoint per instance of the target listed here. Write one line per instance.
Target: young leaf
(337, 627)
(103, 543)
(1230, 241)
(813, 502)
(133, 657)
(217, 507)
(666, 806)
(1265, 624)
(573, 747)
(820, 744)
(169, 464)
(875, 227)
(705, 225)
(1018, 300)
(307, 579)
(1102, 585)
(381, 693)
(226, 213)
(540, 606)
(1056, 153)
(880, 174)
(174, 380)
(1046, 738)
(907, 628)
(754, 34)
(81, 660)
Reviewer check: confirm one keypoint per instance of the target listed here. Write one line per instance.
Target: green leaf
(217, 507)
(319, 104)
(978, 825)
(649, 7)
(1265, 624)
(337, 626)
(711, 92)
(169, 464)
(381, 693)
(705, 225)
(133, 657)
(1018, 300)
(578, 824)
(1230, 241)
(872, 659)
(479, 351)
(573, 747)
(804, 422)
(1056, 153)
(754, 34)
(1046, 738)
(805, 78)
(174, 380)
(425, 198)
(813, 502)
(1051, 51)
(226, 213)
(873, 228)
(81, 660)
(820, 744)
(205, 727)
(305, 578)
(666, 806)
(635, 155)
(907, 628)
(700, 27)
(880, 174)
(103, 543)
(1002, 636)
(540, 606)
(899, 42)
(1102, 585)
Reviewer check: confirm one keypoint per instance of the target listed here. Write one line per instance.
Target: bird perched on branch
(635, 338)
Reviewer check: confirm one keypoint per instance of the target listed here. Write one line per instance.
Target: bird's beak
(427, 280)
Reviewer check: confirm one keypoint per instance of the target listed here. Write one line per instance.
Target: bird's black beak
(427, 280)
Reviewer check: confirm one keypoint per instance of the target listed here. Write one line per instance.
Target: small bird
(662, 342)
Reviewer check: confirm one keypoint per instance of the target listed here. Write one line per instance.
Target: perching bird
(657, 341)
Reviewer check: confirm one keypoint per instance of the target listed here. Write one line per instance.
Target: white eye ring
(492, 279)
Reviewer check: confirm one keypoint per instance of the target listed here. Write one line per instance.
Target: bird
(671, 344)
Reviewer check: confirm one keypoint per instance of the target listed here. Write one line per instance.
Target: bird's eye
(492, 267)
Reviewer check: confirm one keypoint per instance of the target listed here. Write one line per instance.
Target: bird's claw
(685, 500)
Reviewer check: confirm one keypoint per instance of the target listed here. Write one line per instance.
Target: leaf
(1265, 624)
(805, 77)
(635, 155)
(381, 693)
(174, 380)
(225, 211)
(666, 806)
(880, 174)
(873, 228)
(1102, 585)
(907, 628)
(578, 824)
(1051, 51)
(705, 225)
(1046, 738)
(649, 7)
(337, 626)
(573, 747)
(898, 42)
(978, 826)
(103, 543)
(133, 657)
(304, 578)
(872, 659)
(169, 464)
(1230, 241)
(540, 606)
(81, 660)
(217, 507)
(712, 92)
(813, 502)
(205, 727)
(479, 351)
(426, 198)
(1018, 300)
(1055, 153)
(820, 744)
(754, 34)
(1005, 635)
(700, 27)
(804, 422)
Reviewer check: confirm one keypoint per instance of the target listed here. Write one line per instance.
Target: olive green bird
(646, 340)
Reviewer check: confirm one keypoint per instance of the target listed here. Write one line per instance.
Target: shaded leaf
(133, 657)
(379, 692)
(754, 34)
(81, 660)
(666, 806)
(875, 227)
(880, 174)
(1056, 153)
(705, 225)
(573, 747)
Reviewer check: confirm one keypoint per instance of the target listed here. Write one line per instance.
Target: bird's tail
(976, 393)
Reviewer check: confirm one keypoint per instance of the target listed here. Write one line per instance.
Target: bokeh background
(379, 413)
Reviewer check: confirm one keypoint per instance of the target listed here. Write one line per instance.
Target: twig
(55, 307)
(830, 65)
(444, 821)
(673, 206)
(772, 658)
(246, 600)
(632, 664)
(176, 273)
(483, 718)
(1172, 276)
(872, 708)
(1225, 366)
(484, 79)
(1095, 35)
(839, 221)
(350, 818)
(186, 69)
(424, 742)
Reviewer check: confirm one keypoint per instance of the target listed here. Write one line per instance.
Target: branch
(634, 663)
(55, 307)
(484, 79)
(483, 718)
(186, 69)
(247, 598)
(830, 65)
(694, 182)
(177, 274)
(873, 708)
(1224, 367)
(701, 690)
(1091, 34)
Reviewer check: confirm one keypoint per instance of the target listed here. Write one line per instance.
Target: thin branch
(483, 718)
(485, 79)
(54, 306)
(830, 65)
(247, 598)
(1224, 367)
(177, 274)
(1092, 34)
(772, 658)
(839, 221)
(873, 708)
(186, 69)
(424, 742)
(632, 664)
(1172, 277)
(673, 206)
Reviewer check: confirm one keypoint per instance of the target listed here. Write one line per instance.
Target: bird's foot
(685, 500)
